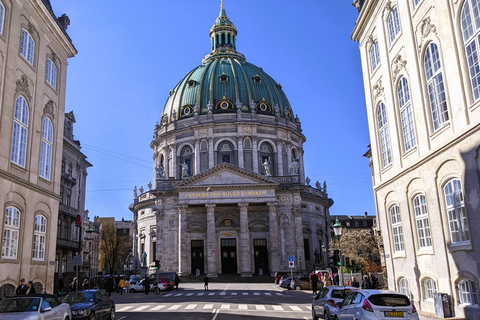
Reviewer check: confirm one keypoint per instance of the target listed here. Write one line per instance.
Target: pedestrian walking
(22, 288)
(109, 286)
(31, 288)
(86, 284)
(354, 283)
(205, 281)
(127, 286)
(121, 285)
(314, 279)
(73, 284)
(327, 280)
(366, 284)
(373, 281)
(176, 281)
(146, 283)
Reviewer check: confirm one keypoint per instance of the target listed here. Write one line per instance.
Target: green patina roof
(225, 75)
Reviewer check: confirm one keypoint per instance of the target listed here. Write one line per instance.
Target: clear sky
(131, 53)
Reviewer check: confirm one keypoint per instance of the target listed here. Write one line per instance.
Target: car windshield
(19, 305)
(389, 300)
(340, 294)
(79, 297)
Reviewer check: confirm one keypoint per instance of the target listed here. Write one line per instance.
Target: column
(240, 152)
(174, 162)
(298, 236)
(245, 252)
(211, 254)
(182, 240)
(211, 159)
(279, 159)
(197, 158)
(255, 154)
(273, 245)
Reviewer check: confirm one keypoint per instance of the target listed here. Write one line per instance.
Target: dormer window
(186, 111)
(192, 83)
(223, 78)
(257, 79)
(263, 106)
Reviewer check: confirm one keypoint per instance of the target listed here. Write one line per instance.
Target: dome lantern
(223, 33)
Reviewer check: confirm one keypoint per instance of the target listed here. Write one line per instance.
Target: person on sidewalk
(205, 280)
(176, 281)
(146, 283)
(121, 285)
(22, 288)
(314, 279)
(127, 286)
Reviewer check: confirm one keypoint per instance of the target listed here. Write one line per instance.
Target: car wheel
(112, 314)
(314, 316)
(132, 291)
(298, 288)
(325, 316)
(92, 316)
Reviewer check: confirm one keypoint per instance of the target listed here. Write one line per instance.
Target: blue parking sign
(291, 258)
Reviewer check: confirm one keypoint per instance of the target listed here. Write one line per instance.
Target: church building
(231, 194)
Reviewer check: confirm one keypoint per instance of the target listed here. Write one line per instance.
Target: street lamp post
(337, 228)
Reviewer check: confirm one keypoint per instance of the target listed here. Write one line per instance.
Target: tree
(359, 246)
(115, 248)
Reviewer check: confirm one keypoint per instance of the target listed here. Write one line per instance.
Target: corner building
(230, 194)
(421, 71)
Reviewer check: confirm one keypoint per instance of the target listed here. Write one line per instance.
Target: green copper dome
(225, 82)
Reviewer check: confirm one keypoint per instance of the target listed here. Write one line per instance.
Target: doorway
(197, 257)
(261, 255)
(229, 256)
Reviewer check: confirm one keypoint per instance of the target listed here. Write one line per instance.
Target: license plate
(394, 314)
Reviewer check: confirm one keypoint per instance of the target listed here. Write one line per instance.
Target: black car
(90, 304)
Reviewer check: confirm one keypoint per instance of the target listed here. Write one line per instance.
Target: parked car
(163, 285)
(285, 282)
(325, 303)
(34, 307)
(90, 304)
(375, 305)
(279, 275)
(300, 283)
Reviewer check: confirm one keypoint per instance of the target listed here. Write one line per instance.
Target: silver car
(34, 307)
(325, 303)
(376, 305)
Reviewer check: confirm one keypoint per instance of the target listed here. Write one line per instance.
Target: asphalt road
(232, 301)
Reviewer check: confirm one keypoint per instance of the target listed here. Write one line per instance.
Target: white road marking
(245, 293)
(256, 294)
(178, 295)
(234, 293)
(158, 307)
(295, 308)
(208, 306)
(211, 294)
(200, 294)
(225, 306)
(140, 308)
(124, 308)
(189, 294)
(260, 307)
(242, 307)
(174, 307)
(278, 308)
(190, 307)
(268, 294)
(216, 314)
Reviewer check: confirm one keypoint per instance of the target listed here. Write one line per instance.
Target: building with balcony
(421, 75)
(34, 48)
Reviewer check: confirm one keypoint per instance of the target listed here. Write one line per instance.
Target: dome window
(192, 83)
(223, 78)
(186, 111)
(224, 105)
(257, 79)
(263, 107)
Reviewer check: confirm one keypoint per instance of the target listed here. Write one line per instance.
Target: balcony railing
(68, 244)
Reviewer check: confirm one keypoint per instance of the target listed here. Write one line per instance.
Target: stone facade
(30, 186)
(424, 120)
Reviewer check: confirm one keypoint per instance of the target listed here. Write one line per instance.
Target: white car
(376, 305)
(34, 307)
(139, 287)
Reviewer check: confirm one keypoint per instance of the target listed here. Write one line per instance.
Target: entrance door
(229, 256)
(197, 256)
(261, 255)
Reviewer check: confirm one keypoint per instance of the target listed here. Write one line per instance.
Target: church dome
(225, 83)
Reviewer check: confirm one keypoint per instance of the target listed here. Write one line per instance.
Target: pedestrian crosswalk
(212, 306)
(199, 294)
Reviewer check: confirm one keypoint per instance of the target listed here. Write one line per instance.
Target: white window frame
(471, 42)
(397, 230)
(39, 238)
(467, 292)
(11, 230)
(2, 17)
(383, 135)
(51, 73)
(456, 212)
(435, 86)
(403, 286)
(374, 56)
(422, 222)
(393, 24)
(20, 132)
(46, 149)
(429, 288)
(406, 116)
(27, 46)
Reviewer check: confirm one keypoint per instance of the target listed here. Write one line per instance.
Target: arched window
(226, 153)
(27, 46)
(20, 132)
(403, 286)
(267, 159)
(467, 292)
(186, 161)
(11, 229)
(457, 216)
(374, 56)
(436, 87)
(46, 149)
(2, 17)
(393, 24)
(383, 135)
(397, 230)
(39, 237)
(429, 288)
(408, 129)
(421, 220)
(51, 74)
(470, 20)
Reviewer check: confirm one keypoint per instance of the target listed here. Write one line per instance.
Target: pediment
(226, 175)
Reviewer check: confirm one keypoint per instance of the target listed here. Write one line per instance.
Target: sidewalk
(428, 316)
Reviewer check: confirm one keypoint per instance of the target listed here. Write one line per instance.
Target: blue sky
(131, 53)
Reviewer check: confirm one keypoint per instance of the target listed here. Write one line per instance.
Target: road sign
(77, 261)
(291, 258)
(291, 264)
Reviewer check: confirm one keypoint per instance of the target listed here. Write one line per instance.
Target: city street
(222, 301)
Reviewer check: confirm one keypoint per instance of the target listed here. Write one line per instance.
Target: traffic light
(157, 264)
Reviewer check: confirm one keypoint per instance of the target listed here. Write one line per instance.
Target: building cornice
(363, 19)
